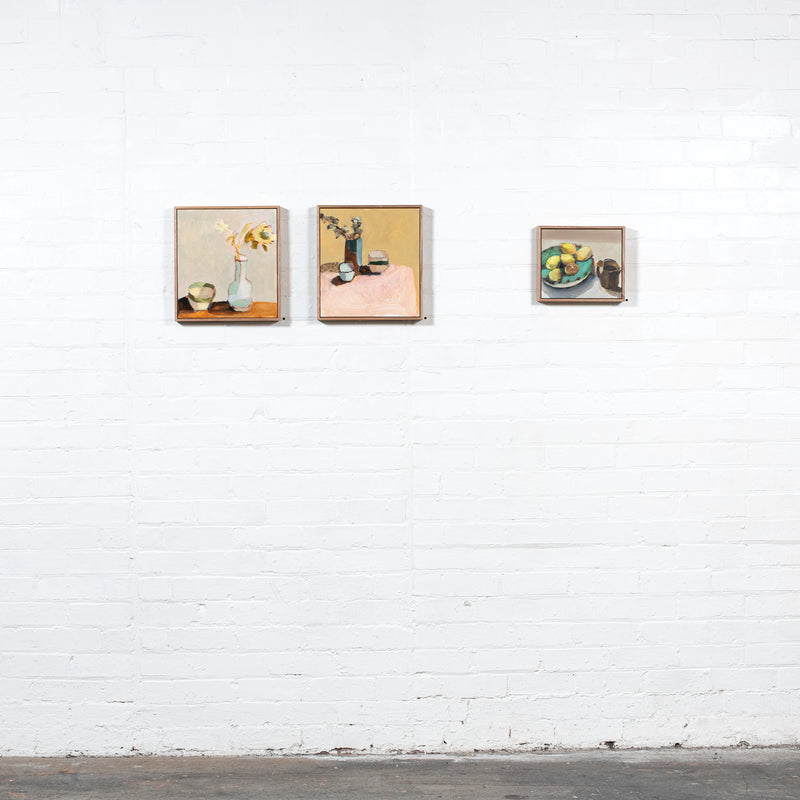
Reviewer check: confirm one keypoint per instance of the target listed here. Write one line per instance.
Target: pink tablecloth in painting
(390, 294)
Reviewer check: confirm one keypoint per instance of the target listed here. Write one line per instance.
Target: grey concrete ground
(610, 775)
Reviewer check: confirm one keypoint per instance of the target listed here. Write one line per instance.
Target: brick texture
(509, 526)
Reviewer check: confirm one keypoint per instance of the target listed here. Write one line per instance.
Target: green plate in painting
(585, 269)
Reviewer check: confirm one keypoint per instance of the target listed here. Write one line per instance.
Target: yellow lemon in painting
(553, 262)
(555, 275)
(568, 248)
(584, 254)
(567, 259)
(571, 269)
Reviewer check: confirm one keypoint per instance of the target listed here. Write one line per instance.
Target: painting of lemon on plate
(581, 264)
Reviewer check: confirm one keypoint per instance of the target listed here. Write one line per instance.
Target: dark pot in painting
(352, 251)
(609, 273)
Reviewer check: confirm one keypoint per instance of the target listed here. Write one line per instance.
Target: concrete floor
(772, 774)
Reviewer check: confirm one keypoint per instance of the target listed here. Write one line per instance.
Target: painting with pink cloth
(370, 263)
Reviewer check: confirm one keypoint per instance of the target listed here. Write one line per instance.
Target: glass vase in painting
(240, 292)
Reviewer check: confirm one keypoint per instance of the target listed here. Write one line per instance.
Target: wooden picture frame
(219, 250)
(599, 276)
(369, 263)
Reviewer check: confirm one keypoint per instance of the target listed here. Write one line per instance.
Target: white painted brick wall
(509, 526)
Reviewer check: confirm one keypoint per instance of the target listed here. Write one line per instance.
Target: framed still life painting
(227, 264)
(369, 262)
(581, 264)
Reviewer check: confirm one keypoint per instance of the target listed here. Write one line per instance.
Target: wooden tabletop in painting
(222, 312)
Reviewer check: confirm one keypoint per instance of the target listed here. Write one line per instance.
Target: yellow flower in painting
(256, 235)
(261, 234)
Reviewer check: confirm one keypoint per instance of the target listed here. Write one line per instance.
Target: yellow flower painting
(227, 264)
